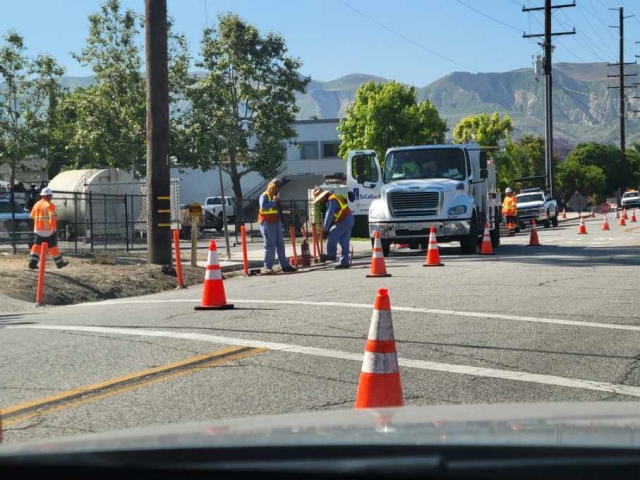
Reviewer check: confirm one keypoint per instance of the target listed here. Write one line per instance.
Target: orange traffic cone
(487, 248)
(605, 224)
(564, 213)
(624, 213)
(213, 297)
(593, 213)
(622, 222)
(533, 238)
(633, 215)
(379, 384)
(378, 267)
(433, 253)
(582, 230)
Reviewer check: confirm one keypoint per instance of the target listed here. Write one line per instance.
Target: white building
(309, 157)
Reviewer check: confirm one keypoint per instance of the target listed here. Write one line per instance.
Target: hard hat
(277, 182)
(508, 190)
(46, 192)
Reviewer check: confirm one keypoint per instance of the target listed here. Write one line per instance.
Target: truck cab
(213, 205)
(536, 204)
(449, 187)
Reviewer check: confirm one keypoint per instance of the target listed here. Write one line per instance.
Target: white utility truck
(451, 187)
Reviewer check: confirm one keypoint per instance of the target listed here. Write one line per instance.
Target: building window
(330, 149)
(309, 151)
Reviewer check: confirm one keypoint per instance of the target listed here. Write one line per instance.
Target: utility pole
(158, 170)
(621, 76)
(547, 47)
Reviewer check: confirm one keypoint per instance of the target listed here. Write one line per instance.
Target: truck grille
(528, 213)
(414, 204)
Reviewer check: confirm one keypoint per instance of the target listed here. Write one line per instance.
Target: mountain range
(585, 109)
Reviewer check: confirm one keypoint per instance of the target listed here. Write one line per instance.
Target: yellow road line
(90, 393)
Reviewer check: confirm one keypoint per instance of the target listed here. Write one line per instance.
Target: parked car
(631, 199)
(22, 224)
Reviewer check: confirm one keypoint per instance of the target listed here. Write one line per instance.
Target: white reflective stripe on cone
(381, 328)
(380, 363)
(213, 274)
(377, 255)
(212, 258)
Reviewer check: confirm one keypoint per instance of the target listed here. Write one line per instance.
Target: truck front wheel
(554, 220)
(469, 244)
(386, 246)
(547, 222)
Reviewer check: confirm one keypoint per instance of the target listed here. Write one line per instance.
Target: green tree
(520, 159)
(26, 85)
(389, 115)
(244, 106)
(487, 131)
(573, 176)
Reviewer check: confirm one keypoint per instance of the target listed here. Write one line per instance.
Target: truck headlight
(459, 210)
(376, 215)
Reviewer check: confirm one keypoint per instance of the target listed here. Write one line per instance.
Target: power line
(610, 52)
(407, 39)
(490, 17)
(579, 42)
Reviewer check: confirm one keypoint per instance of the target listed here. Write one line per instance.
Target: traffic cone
(213, 297)
(624, 213)
(378, 267)
(379, 384)
(605, 224)
(593, 213)
(487, 248)
(622, 222)
(533, 238)
(633, 216)
(433, 252)
(564, 213)
(582, 230)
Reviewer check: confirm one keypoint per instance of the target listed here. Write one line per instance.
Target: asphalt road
(531, 324)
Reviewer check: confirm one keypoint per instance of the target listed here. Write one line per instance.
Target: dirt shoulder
(90, 278)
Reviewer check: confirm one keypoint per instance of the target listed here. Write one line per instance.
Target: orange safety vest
(344, 210)
(44, 218)
(269, 215)
(509, 207)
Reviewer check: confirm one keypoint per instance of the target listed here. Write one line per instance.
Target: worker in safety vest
(270, 220)
(510, 211)
(338, 221)
(45, 222)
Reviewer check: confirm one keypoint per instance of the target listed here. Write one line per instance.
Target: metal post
(91, 229)
(104, 224)
(194, 240)
(126, 222)
(12, 197)
(75, 219)
(548, 48)
(621, 84)
(224, 213)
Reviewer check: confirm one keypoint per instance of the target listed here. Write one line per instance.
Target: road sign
(578, 202)
(195, 209)
(605, 208)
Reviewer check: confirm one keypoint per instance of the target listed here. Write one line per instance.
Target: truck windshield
(631, 195)
(535, 197)
(425, 163)
(214, 201)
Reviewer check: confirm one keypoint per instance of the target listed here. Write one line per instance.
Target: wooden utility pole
(158, 170)
(547, 46)
(621, 75)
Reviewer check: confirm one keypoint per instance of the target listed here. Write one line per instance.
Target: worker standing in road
(338, 221)
(510, 211)
(270, 220)
(45, 222)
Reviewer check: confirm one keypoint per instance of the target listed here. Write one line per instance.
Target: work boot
(327, 258)
(33, 265)
(62, 264)
(340, 266)
(268, 271)
(289, 269)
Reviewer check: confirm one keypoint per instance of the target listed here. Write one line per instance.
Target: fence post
(104, 225)
(126, 221)
(91, 219)
(245, 258)
(75, 220)
(12, 197)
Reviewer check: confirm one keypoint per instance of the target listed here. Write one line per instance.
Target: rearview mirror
(484, 162)
(484, 173)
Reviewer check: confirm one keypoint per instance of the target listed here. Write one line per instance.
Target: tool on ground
(379, 384)
(622, 222)
(245, 255)
(321, 244)
(582, 229)
(213, 296)
(314, 237)
(486, 248)
(605, 223)
(378, 266)
(40, 287)
(433, 252)
(176, 247)
(295, 259)
(564, 213)
(633, 216)
(533, 237)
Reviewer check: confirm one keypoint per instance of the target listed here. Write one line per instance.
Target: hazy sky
(414, 41)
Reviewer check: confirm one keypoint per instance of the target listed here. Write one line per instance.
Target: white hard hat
(46, 192)
(508, 190)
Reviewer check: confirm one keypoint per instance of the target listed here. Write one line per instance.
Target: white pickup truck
(536, 204)
(449, 187)
(214, 205)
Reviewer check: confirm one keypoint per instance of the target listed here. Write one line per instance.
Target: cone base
(434, 265)
(487, 253)
(381, 275)
(228, 306)
(534, 245)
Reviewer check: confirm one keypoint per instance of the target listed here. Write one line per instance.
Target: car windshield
(534, 197)
(425, 163)
(631, 195)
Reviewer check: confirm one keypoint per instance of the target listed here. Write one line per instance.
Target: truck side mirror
(484, 173)
(484, 162)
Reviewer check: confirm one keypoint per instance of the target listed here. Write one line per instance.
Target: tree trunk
(12, 183)
(236, 185)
